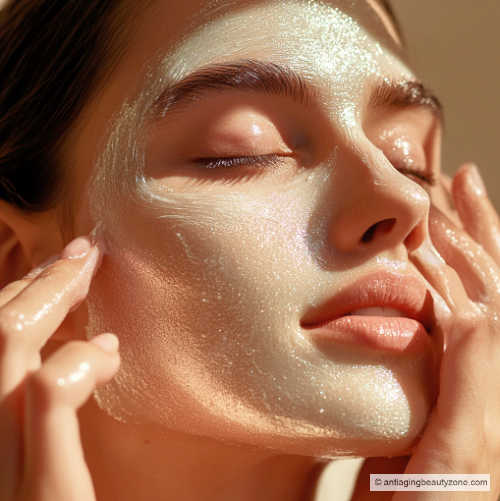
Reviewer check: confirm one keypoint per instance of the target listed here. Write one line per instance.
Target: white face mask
(208, 275)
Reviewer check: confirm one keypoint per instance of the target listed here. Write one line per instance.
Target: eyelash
(430, 179)
(229, 162)
(275, 160)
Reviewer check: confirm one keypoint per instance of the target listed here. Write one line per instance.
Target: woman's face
(211, 270)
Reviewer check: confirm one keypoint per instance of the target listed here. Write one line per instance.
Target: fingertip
(458, 181)
(107, 342)
(467, 192)
(476, 181)
(468, 181)
(78, 247)
(446, 181)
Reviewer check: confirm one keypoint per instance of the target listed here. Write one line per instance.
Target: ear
(26, 240)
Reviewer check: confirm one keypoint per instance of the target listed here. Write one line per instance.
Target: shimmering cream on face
(206, 287)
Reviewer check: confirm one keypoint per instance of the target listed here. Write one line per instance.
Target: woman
(245, 171)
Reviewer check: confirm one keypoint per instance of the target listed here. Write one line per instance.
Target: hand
(462, 434)
(477, 214)
(41, 454)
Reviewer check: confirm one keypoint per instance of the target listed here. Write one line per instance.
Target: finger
(449, 298)
(478, 272)
(441, 197)
(476, 211)
(33, 315)
(53, 456)
(454, 439)
(441, 276)
(446, 181)
(12, 289)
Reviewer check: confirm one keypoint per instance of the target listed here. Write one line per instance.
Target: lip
(383, 289)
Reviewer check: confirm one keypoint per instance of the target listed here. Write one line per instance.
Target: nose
(376, 207)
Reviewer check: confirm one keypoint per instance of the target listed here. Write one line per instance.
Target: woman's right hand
(41, 455)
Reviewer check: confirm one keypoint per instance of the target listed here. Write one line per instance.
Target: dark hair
(397, 26)
(47, 73)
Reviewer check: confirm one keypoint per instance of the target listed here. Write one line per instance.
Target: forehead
(249, 21)
(340, 45)
(198, 32)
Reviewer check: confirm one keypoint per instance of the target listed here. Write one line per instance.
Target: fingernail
(108, 342)
(77, 248)
(476, 181)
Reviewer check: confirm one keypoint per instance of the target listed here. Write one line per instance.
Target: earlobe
(26, 239)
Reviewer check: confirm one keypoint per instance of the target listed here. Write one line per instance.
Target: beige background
(454, 45)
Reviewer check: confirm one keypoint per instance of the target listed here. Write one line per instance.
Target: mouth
(381, 294)
(383, 310)
(377, 311)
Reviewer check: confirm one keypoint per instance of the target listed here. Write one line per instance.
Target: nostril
(384, 226)
(368, 234)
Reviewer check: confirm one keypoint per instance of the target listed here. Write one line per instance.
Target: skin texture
(239, 385)
(287, 398)
(228, 382)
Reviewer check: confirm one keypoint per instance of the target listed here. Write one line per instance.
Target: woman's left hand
(477, 214)
(457, 440)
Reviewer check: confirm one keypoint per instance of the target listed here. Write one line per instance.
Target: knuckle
(471, 319)
(10, 329)
(43, 387)
(472, 323)
(8, 320)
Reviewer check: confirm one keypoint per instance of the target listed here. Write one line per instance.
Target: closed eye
(231, 162)
(429, 179)
(274, 160)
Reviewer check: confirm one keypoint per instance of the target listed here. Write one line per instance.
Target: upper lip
(405, 293)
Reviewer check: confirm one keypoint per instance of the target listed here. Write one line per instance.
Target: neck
(164, 464)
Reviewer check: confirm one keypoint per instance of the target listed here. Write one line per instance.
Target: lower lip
(396, 334)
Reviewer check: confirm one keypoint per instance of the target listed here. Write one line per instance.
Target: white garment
(338, 480)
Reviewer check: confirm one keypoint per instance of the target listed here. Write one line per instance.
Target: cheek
(195, 301)
(230, 266)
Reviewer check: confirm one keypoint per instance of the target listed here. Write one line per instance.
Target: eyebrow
(407, 93)
(274, 79)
